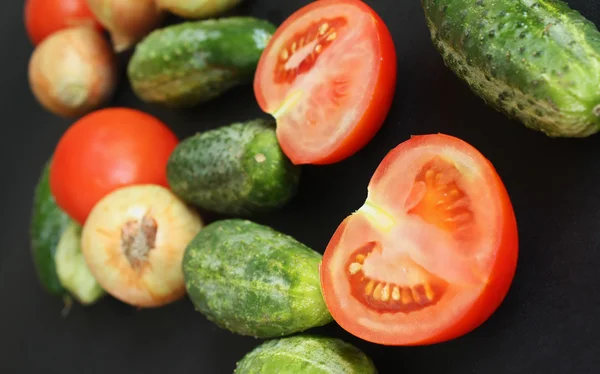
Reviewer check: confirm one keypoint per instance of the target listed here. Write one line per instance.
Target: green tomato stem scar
(377, 215)
(291, 100)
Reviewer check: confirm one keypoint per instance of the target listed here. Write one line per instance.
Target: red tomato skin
(380, 103)
(490, 298)
(105, 150)
(500, 279)
(45, 17)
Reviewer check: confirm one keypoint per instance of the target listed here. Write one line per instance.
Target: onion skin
(142, 278)
(73, 71)
(197, 8)
(127, 21)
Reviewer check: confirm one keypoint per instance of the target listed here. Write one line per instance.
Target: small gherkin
(238, 170)
(307, 354)
(253, 280)
(537, 61)
(192, 62)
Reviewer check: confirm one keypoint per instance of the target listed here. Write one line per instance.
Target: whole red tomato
(105, 150)
(44, 17)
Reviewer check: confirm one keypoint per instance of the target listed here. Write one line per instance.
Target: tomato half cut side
(328, 76)
(431, 254)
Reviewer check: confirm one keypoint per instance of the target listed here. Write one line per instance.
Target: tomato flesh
(328, 76)
(393, 295)
(45, 17)
(105, 150)
(304, 48)
(431, 254)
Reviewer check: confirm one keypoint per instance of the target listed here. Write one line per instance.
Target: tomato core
(438, 200)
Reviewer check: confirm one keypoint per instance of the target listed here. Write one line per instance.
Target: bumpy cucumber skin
(306, 354)
(537, 61)
(253, 280)
(47, 224)
(192, 62)
(237, 169)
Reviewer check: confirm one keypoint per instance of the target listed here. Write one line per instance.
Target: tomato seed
(354, 268)
(385, 293)
(322, 33)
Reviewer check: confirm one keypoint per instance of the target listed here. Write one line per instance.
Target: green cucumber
(72, 269)
(238, 169)
(254, 281)
(55, 249)
(537, 61)
(306, 354)
(195, 61)
(48, 222)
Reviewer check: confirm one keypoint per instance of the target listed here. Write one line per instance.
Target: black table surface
(549, 322)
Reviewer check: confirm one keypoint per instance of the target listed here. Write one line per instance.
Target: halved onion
(133, 242)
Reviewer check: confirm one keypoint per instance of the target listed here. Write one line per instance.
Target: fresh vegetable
(128, 21)
(45, 17)
(48, 222)
(133, 243)
(253, 280)
(55, 246)
(432, 252)
(197, 8)
(192, 62)
(306, 354)
(237, 169)
(328, 76)
(72, 270)
(107, 149)
(73, 71)
(535, 61)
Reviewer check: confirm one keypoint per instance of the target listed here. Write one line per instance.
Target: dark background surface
(549, 322)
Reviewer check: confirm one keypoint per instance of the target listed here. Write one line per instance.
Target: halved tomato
(328, 76)
(431, 254)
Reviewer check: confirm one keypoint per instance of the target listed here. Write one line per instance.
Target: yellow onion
(127, 21)
(73, 71)
(133, 243)
(197, 8)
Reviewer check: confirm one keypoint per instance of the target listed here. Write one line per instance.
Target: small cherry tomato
(105, 150)
(431, 254)
(45, 17)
